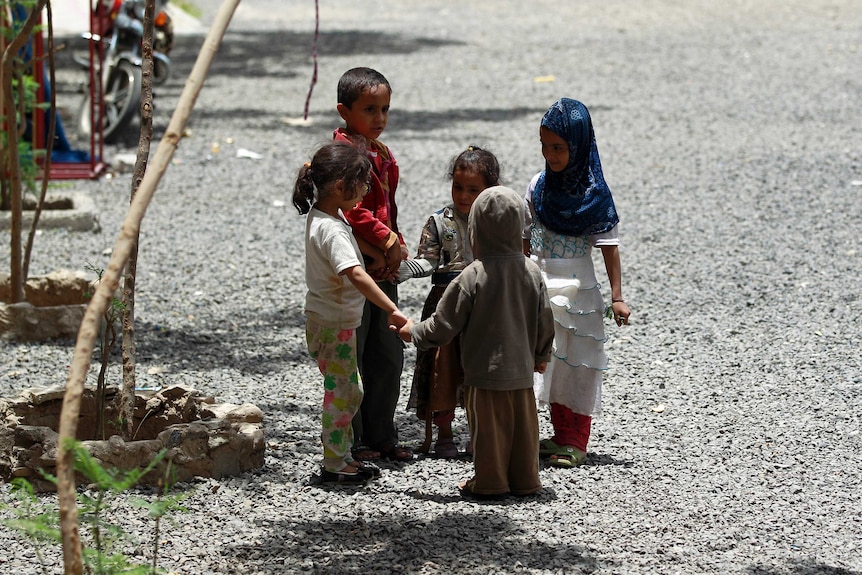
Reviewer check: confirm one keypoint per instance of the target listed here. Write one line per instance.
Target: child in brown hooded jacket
(499, 304)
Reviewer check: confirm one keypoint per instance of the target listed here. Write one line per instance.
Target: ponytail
(303, 190)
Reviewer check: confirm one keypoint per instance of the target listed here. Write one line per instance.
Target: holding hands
(393, 257)
(386, 264)
(375, 264)
(402, 329)
(397, 320)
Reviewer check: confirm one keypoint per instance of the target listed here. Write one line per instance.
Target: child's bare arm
(369, 288)
(611, 255)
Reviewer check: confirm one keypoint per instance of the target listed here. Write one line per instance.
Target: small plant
(39, 520)
(107, 342)
(33, 518)
(158, 509)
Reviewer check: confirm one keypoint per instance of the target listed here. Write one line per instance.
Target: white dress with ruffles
(574, 374)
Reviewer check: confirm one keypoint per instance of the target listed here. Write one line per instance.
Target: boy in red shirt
(363, 104)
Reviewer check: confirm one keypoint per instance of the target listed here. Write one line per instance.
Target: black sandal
(343, 478)
(368, 469)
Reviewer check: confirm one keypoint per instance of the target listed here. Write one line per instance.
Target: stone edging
(202, 438)
(81, 217)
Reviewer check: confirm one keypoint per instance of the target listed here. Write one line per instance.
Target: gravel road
(731, 135)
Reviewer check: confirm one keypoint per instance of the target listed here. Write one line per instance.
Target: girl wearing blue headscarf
(573, 211)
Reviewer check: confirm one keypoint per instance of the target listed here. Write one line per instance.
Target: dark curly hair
(477, 160)
(333, 162)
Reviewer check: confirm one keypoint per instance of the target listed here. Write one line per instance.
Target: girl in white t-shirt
(334, 182)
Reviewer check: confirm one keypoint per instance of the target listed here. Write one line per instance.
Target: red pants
(570, 428)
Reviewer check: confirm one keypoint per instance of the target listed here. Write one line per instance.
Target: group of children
(518, 266)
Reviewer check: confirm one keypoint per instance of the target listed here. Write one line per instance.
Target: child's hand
(375, 259)
(397, 320)
(392, 259)
(403, 330)
(621, 312)
(394, 274)
(393, 255)
(540, 367)
(396, 269)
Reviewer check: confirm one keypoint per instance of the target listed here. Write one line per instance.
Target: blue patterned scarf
(575, 201)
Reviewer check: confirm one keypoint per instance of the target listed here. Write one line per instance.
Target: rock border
(54, 306)
(202, 438)
(81, 217)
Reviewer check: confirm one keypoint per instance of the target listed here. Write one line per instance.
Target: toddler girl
(444, 251)
(333, 183)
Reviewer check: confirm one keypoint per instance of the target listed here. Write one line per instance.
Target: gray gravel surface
(730, 134)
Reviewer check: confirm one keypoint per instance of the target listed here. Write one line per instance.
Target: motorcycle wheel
(122, 101)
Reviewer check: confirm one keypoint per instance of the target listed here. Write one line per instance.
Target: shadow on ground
(258, 348)
(278, 53)
(802, 568)
(456, 542)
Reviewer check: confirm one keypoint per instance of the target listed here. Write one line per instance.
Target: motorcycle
(113, 64)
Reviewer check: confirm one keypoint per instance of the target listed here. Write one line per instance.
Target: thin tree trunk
(90, 324)
(49, 146)
(7, 105)
(5, 199)
(127, 396)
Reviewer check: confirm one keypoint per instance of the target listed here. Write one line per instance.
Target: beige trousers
(504, 426)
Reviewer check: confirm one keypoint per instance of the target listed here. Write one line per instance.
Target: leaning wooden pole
(72, 561)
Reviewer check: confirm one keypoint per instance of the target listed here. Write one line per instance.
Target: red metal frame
(74, 170)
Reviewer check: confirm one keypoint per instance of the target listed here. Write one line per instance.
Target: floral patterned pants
(335, 352)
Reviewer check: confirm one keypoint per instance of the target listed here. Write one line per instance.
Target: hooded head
(496, 222)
